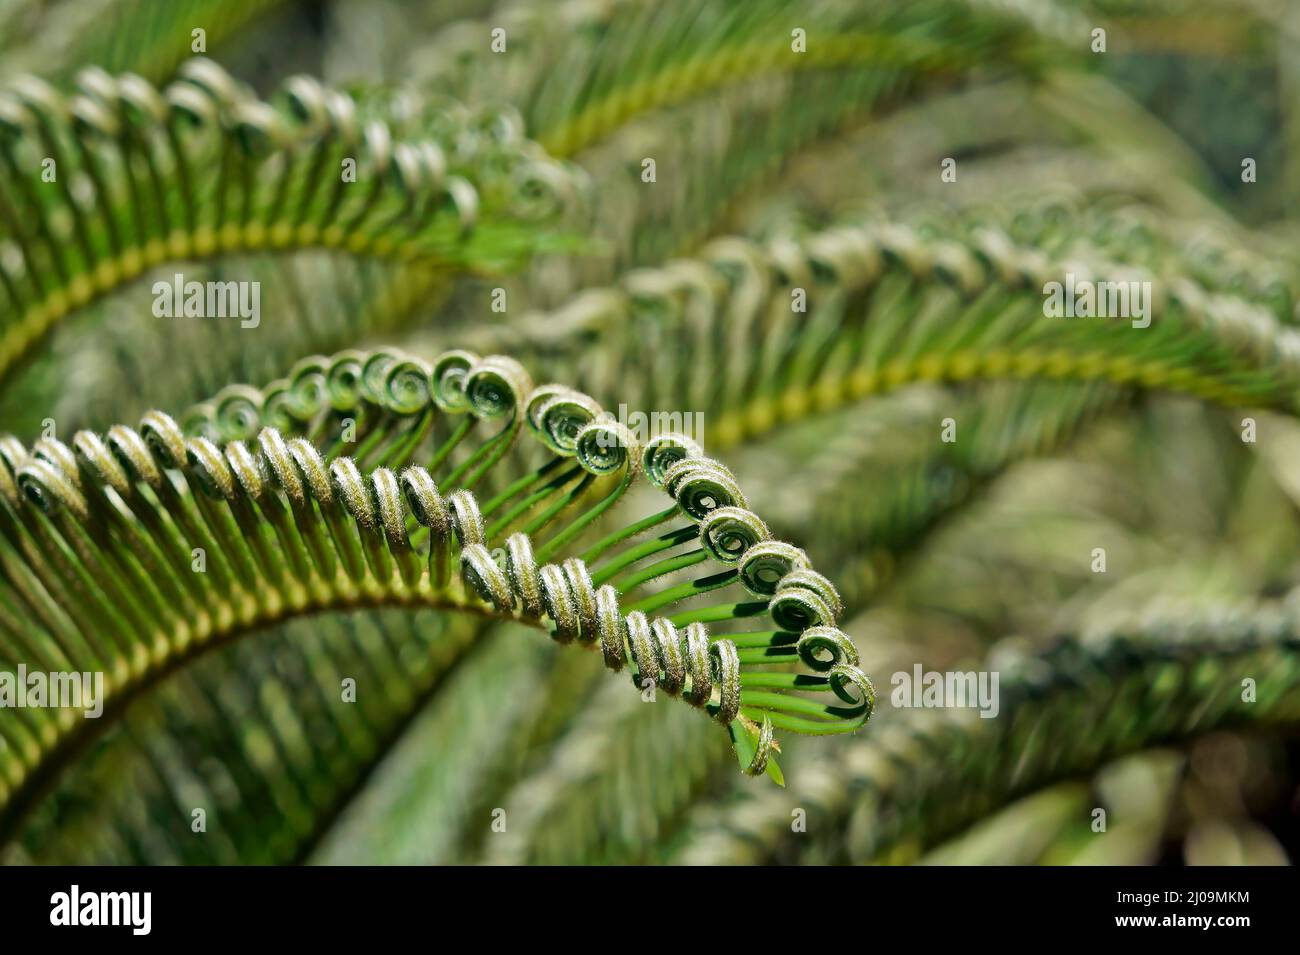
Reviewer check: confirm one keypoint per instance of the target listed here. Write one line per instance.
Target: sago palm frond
(282, 530)
(116, 180)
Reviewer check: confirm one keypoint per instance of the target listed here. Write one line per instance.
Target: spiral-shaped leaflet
(433, 506)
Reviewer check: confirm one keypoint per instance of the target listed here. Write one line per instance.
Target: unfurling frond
(434, 507)
(106, 183)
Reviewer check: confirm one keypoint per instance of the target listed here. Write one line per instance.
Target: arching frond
(113, 181)
(101, 540)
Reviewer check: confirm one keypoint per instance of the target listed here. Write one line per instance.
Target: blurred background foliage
(817, 170)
